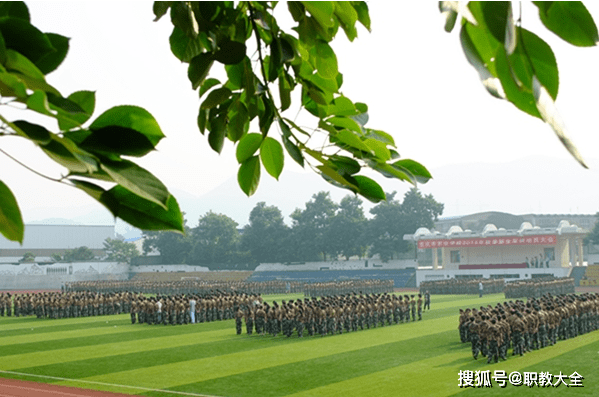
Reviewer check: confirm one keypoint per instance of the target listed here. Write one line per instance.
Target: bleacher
(401, 277)
(590, 278)
(232, 276)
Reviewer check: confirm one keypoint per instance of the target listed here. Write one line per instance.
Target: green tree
(310, 227)
(174, 247)
(28, 257)
(513, 63)
(215, 241)
(593, 236)
(347, 228)
(56, 257)
(266, 235)
(79, 254)
(393, 219)
(120, 251)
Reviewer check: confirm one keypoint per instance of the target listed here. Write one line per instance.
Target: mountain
(530, 185)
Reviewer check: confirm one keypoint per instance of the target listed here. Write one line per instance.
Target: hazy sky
(413, 75)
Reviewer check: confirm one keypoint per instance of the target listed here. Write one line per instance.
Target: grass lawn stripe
(314, 373)
(57, 326)
(136, 332)
(439, 376)
(578, 354)
(181, 373)
(123, 353)
(32, 321)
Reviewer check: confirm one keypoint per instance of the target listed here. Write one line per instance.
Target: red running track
(21, 388)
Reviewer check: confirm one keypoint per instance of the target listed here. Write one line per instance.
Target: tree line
(322, 230)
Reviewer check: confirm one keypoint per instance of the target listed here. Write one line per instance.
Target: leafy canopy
(265, 67)
(89, 149)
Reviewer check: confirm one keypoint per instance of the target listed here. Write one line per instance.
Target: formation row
(536, 324)
(537, 288)
(329, 315)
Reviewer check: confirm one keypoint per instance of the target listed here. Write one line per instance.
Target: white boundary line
(108, 384)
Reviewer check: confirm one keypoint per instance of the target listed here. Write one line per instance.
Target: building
(526, 252)
(45, 240)
(476, 222)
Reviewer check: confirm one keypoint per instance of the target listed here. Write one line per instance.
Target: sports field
(415, 359)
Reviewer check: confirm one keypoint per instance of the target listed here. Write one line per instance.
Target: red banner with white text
(488, 241)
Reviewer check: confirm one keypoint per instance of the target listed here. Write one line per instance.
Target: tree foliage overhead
(88, 149)
(259, 88)
(514, 63)
(270, 74)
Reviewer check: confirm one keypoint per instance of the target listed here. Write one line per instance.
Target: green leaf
(202, 120)
(38, 102)
(199, 67)
(570, 20)
(26, 39)
(239, 121)
(11, 221)
(267, 115)
(19, 63)
(248, 175)
(207, 85)
(132, 117)
(322, 11)
(69, 155)
(333, 177)
(347, 16)
(342, 106)
(271, 154)
(137, 180)
(361, 8)
(551, 116)
(326, 60)
(135, 210)
(419, 171)
(86, 100)
(218, 131)
(236, 75)
(51, 61)
(449, 12)
(35, 132)
(17, 9)
(345, 165)
(113, 141)
(349, 138)
(294, 151)
(247, 146)
(378, 148)
(183, 18)
(274, 60)
(230, 52)
(216, 97)
(539, 55)
(284, 90)
(345, 122)
(521, 98)
(381, 136)
(10, 85)
(480, 48)
(160, 8)
(397, 172)
(370, 189)
(183, 47)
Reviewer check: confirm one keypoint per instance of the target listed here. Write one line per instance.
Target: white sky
(413, 75)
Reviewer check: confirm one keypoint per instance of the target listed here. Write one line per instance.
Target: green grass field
(415, 359)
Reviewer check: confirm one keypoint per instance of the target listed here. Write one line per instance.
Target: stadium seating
(590, 278)
(401, 277)
(204, 276)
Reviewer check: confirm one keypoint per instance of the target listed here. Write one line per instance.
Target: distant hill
(529, 185)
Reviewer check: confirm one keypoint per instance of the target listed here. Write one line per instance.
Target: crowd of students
(536, 324)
